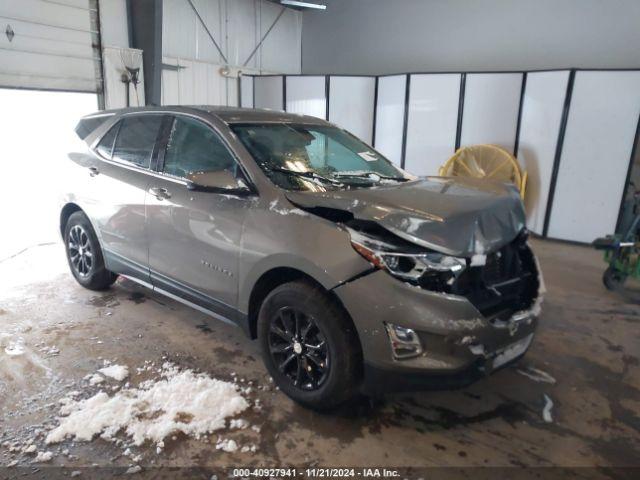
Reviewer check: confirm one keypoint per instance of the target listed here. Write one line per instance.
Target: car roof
(226, 114)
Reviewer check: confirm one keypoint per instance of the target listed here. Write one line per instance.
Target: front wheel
(85, 255)
(613, 279)
(309, 346)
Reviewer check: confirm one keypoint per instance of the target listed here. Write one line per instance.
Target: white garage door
(49, 44)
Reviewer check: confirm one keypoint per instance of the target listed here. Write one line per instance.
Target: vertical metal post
(558, 155)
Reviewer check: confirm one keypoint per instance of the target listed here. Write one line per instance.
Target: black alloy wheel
(298, 348)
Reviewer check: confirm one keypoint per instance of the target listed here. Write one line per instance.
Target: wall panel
(246, 92)
(491, 104)
(390, 116)
(600, 132)
(541, 115)
(432, 121)
(306, 95)
(268, 92)
(351, 105)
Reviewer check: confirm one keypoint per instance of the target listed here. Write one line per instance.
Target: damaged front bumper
(459, 344)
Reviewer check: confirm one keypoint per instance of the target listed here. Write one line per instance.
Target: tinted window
(88, 125)
(136, 139)
(194, 147)
(105, 147)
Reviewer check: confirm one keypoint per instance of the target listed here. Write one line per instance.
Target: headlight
(408, 266)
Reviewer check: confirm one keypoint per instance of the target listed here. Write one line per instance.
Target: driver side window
(194, 147)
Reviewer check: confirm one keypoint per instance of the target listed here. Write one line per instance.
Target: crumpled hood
(460, 216)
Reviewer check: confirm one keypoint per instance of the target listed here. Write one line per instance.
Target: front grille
(507, 283)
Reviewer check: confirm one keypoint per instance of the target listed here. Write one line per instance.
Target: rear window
(88, 125)
(136, 139)
(105, 147)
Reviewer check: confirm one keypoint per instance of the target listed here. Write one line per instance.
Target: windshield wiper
(311, 175)
(369, 176)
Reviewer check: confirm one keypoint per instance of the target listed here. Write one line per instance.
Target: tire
(84, 254)
(337, 368)
(613, 279)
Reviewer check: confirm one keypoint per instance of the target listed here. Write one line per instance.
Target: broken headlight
(404, 265)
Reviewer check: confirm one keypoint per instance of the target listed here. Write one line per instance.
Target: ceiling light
(295, 3)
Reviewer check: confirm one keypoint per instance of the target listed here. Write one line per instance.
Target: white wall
(601, 128)
(237, 26)
(383, 36)
(113, 23)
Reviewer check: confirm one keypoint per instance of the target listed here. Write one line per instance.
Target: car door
(121, 176)
(195, 236)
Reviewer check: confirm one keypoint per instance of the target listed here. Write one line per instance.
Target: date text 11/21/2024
(315, 472)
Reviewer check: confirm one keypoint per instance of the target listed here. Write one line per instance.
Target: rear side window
(88, 125)
(136, 139)
(194, 147)
(105, 147)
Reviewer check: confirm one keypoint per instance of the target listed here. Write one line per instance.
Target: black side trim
(194, 296)
(121, 265)
(558, 155)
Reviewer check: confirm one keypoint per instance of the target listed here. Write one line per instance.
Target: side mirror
(222, 181)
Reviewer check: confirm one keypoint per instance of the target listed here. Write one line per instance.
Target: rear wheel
(85, 255)
(309, 346)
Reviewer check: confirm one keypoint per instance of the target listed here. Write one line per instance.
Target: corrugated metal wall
(48, 44)
(192, 71)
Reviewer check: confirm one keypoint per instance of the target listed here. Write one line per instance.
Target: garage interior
(554, 83)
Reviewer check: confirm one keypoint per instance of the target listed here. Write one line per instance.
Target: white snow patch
(239, 423)
(546, 411)
(95, 379)
(132, 470)
(117, 372)
(43, 457)
(536, 375)
(274, 207)
(181, 401)
(227, 445)
(15, 348)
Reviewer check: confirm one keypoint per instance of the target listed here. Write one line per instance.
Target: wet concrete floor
(588, 341)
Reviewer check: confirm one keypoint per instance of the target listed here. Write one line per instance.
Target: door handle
(160, 193)
(93, 171)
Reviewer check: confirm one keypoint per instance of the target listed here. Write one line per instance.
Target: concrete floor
(588, 340)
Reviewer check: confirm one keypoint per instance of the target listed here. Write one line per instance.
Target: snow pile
(117, 372)
(181, 401)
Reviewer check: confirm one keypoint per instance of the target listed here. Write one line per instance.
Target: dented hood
(460, 217)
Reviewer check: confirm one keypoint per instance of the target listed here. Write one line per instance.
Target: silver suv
(353, 275)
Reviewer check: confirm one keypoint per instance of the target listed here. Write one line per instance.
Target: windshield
(315, 157)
